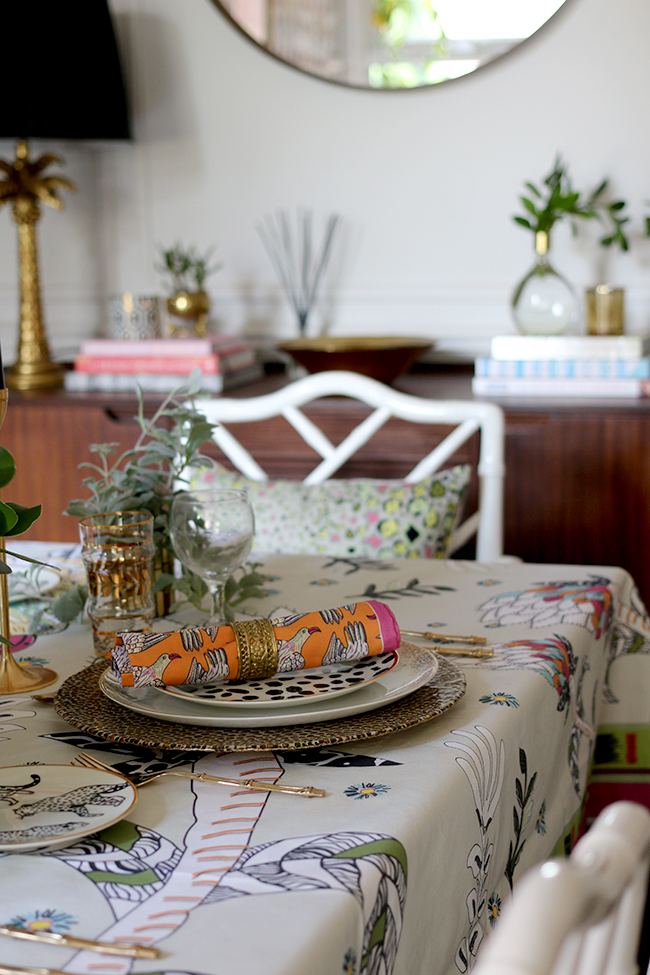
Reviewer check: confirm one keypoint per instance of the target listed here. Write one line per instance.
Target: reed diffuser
(298, 263)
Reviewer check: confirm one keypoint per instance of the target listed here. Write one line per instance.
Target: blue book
(563, 368)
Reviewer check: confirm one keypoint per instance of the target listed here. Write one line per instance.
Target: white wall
(426, 181)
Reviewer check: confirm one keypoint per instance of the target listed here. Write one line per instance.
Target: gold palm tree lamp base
(15, 678)
(26, 189)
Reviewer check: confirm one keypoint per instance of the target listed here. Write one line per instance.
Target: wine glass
(212, 533)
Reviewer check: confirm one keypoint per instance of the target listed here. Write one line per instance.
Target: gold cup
(118, 550)
(605, 310)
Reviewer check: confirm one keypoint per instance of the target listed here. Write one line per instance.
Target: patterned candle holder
(118, 551)
(134, 317)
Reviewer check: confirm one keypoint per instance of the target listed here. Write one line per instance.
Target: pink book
(178, 365)
(163, 347)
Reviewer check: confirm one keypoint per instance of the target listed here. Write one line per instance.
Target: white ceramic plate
(289, 690)
(416, 666)
(50, 806)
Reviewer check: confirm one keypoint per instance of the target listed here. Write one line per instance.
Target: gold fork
(254, 785)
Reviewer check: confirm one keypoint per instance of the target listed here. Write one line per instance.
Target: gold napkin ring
(257, 649)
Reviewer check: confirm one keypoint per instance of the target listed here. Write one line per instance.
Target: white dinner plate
(292, 689)
(50, 806)
(415, 667)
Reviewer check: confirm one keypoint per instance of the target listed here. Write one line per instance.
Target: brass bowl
(382, 357)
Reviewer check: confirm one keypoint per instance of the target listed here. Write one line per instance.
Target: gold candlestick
(26, 188)
(15, 678)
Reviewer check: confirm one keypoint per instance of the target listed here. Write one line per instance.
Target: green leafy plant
(14, 518)
(556, 200)
(147, 477)
(187, 269)
(395, 18)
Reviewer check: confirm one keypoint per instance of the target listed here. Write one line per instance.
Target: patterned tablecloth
(410, 858)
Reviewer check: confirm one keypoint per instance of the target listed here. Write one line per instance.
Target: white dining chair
(467, 417)
(581, 915)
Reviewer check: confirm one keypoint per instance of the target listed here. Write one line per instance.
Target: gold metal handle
(479, 652)
(444, 637)
(9, 970)
(256, 785)
(84, 944)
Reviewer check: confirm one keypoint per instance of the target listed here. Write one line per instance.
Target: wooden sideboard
(578, 471)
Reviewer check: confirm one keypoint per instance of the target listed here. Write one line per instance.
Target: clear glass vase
(544, 303)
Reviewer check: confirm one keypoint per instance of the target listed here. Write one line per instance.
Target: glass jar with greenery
(544, 303)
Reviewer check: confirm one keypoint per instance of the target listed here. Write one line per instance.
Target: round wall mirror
(388, 44)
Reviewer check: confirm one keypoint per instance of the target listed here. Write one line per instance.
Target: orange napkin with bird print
(210, 653)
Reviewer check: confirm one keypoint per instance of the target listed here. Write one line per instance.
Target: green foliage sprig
(147, 477)
(187, 269)
(14, 518)
(557, 200)
(149, 474)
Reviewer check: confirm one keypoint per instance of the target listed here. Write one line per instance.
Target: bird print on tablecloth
(355, 647)
(217, 667)
(153, 674)
(290, 651)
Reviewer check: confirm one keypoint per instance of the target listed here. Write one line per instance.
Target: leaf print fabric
(375, 519)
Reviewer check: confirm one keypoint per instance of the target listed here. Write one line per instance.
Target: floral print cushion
(363, 518)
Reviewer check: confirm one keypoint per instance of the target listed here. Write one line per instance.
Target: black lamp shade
(61, 72)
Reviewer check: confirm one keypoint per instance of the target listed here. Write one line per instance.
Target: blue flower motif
(34, 661)
(350, 962)
(489, 582)
(365, 789)
(500, 697)
(494, 909)
(49, 921)
(540, 824)
(324, 582)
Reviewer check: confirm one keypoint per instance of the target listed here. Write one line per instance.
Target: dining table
(405, 864)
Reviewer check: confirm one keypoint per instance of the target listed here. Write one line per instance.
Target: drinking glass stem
(217, 593)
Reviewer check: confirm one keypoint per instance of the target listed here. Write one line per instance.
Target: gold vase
(191, 306)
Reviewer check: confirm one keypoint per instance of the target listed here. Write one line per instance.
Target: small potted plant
(188, 272)
(544, 303)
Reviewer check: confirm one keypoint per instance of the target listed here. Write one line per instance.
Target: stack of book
(160, 365)
(582, 366)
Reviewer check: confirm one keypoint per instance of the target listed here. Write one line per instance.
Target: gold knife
(70, 941)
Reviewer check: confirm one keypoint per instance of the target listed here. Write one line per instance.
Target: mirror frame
(346, 84)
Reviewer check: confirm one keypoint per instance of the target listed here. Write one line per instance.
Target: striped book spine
(563, 368)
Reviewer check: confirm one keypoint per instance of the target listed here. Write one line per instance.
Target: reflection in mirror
(389, 43)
